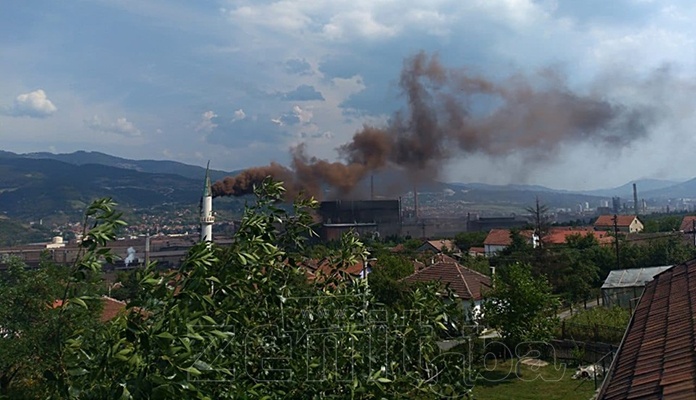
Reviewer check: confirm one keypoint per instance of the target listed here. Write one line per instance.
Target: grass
(500, 381)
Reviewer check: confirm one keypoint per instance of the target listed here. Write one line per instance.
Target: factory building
(371, 218)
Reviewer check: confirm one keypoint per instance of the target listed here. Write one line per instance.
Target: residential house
(624, 223)
(559, 235)
(477, 251)
(466, 284)
(656, 358)
(438, 246)
(688, 224)
(499, 239)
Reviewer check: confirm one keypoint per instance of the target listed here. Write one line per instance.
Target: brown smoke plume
(243, 183)
(452, 112)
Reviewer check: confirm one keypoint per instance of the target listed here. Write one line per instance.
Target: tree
(520, 306)
(466, 240)
(540, 220)
(31, 318)
(385, 276)
(243, 322)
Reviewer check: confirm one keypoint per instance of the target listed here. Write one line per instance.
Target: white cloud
(121, 126)
(239, 115)
(206, 124)
(361, 23)
(33, 104)
(304, 115)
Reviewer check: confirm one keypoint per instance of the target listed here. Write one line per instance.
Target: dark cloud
(302, 93)
(298, 67)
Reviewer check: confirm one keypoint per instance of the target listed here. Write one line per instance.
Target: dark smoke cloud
(454, 112)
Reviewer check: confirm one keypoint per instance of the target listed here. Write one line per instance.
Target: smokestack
(415, 201)
(372, 187)
(635, 198)
(147, 249)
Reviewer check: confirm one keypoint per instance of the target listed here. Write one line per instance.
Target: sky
(240, 83)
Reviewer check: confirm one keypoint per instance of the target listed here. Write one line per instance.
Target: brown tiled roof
(477, 250)
(501, 237)
(440, 244)
(559, 235)
(621, 220)
(657, 357)
(320, 269)
(398, 248)
(687, 223)
(498, 237)
(112, 308)
(467, 284)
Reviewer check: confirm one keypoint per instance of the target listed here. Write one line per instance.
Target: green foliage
(466, 240)
(13, 233)
(597, 324)
(616, 317)
(243, 322)
(478, 264)
(385, 276)
(127, 285)
(31, 322)
(661, 223)
(520, 306)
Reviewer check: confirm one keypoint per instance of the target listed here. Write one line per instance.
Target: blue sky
(240, 82)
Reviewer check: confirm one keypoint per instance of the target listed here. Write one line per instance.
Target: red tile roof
(687, 223)
(314, 269)
(621, 220)
(110, 307)
(467, 284)
(501, 237)
(498, 237)
(657, 357)
(477, 250)
(559, 235)
(438, 245)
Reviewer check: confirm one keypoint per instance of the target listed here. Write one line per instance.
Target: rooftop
(621, 220)
(657, 357)
(467, 284)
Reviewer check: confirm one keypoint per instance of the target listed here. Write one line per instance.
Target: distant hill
(37, 187)
(644, 187)
(680, 190)
(151, 166)
(38, 184)
(509, 187)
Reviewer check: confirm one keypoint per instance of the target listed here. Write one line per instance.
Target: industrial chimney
(635, 198)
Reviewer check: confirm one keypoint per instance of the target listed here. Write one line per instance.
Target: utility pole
(616, 240)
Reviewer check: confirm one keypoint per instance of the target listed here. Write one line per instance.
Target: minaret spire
(207, 217)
